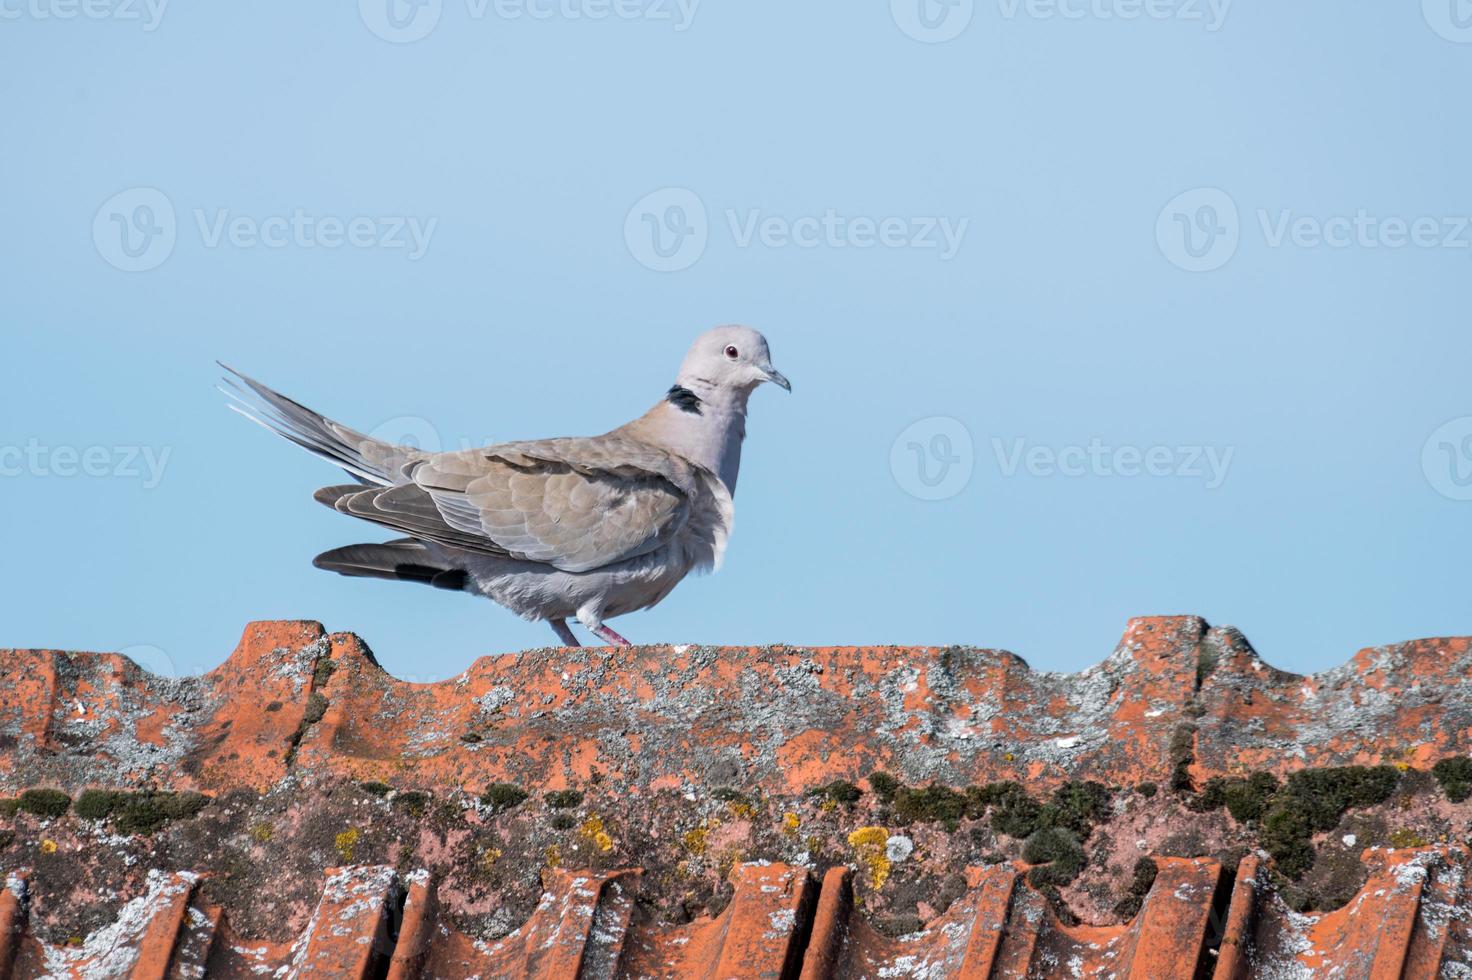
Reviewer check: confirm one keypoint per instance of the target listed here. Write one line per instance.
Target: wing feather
(575, 504)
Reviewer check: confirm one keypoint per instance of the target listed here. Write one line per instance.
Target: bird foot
(609, 634)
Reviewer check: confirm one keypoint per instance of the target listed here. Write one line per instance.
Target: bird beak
(777, 377)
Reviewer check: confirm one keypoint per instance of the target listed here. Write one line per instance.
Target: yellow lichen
(741, 809)
(592, 831)
(489, 857)
(262, 833)
(1405, 837)
(870, 845)
(48, 846)
(696, 840)
(347, 844)
(553, 856)
(790, 823)
(828, 806)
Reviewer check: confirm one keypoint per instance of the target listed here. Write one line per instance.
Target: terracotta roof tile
(346, 836)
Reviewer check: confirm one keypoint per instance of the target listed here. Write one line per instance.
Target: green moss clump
(6, 836)
(501, 797)
(470, 737)
(1312, 801)
(838, 791)
(97, 804)
(1207, 658)
(1455, 777)
(564, 821)
(884, 786)
(45, 802)
(1141, 882)
(1076, 806)
(566, 799)
(1325, 794)
(930, 804)
(412, 801)
(1182, 756)
(9, 806)
(316, 708)
(376, 788)
(323, 672)
(1144, 877)
(143, 813)
(1247, 799)
(1014, 813)
(1287, 835)
(1058, 854)
(1147, 790)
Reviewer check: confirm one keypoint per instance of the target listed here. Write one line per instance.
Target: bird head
(730, 358)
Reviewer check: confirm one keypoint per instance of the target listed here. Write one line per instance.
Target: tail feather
(404, 560)
(366, 459)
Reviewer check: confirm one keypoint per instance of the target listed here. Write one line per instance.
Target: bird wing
(575, 504)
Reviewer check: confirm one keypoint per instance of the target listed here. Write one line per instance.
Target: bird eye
(732, 353)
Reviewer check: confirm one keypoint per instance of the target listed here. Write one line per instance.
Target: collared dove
(590, 528)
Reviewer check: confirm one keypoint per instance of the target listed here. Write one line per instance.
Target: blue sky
(1093, 308)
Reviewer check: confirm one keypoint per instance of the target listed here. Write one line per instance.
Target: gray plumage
(586, 528)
